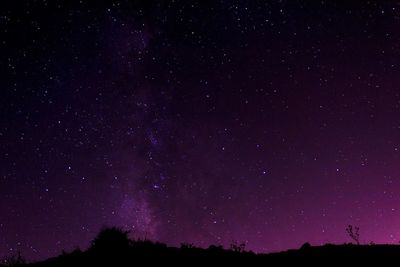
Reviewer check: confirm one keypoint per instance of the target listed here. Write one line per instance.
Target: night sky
(269, 122)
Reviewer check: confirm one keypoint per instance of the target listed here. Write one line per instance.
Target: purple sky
(269, 122)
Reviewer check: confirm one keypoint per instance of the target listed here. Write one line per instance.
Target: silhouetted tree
(353, 233)
(111, 240)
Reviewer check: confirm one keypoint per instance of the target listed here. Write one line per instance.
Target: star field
(268, 122)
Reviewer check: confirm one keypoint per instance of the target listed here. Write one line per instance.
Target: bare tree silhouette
(353, 233)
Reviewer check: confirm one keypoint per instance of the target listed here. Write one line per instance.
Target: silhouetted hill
(112, 247)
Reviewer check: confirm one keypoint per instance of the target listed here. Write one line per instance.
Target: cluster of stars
(274, 122)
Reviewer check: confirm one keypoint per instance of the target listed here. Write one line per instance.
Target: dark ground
(112, 247)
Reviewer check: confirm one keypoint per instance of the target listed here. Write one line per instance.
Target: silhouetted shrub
(215, 248)
(187, 245)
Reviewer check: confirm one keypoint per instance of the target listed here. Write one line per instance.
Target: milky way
(209, 122)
